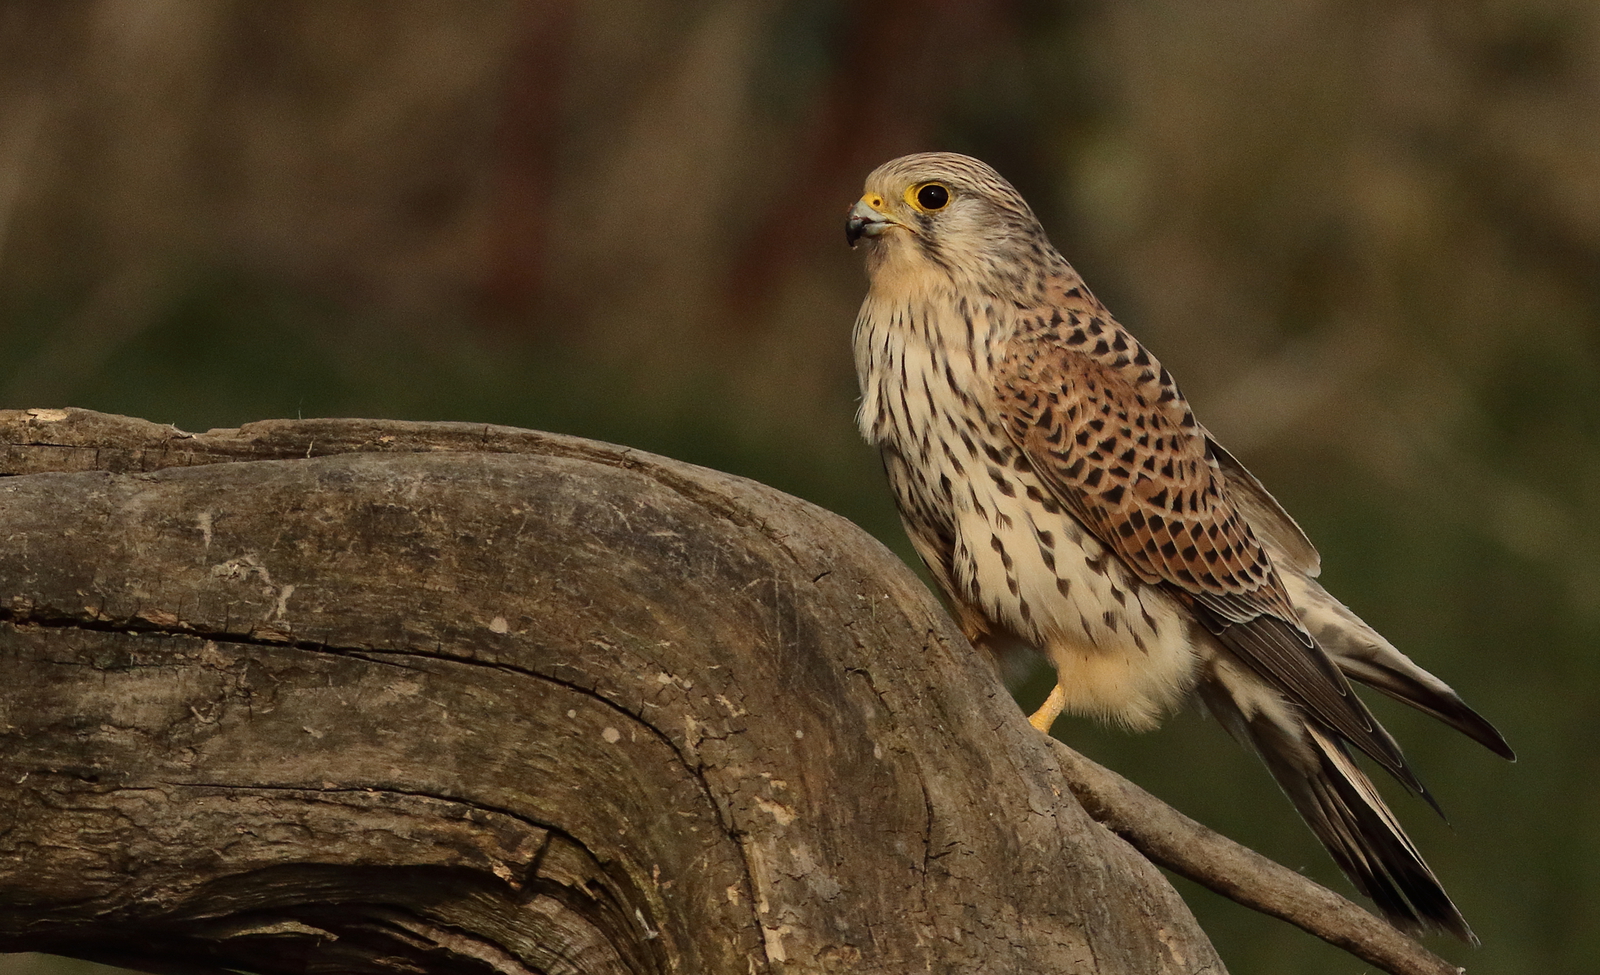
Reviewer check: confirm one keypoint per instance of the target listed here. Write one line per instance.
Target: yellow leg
(1050, 710)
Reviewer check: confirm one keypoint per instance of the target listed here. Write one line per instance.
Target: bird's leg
(1050, 710)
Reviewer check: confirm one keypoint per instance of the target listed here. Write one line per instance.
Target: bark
(387, 697)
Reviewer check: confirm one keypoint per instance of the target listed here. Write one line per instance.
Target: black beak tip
(852, 230)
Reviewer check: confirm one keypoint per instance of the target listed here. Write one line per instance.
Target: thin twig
(1173, 840)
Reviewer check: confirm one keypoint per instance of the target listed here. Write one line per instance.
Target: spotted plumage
(1057, 484)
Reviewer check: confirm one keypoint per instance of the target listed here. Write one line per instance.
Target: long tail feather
(1313, 767)
(1364, 655)
(1355, 647)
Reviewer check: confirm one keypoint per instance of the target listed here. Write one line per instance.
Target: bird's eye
(931, 196)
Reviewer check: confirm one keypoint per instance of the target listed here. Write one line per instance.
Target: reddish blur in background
(1365, 236)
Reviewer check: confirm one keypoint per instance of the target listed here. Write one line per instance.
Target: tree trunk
(370, 696)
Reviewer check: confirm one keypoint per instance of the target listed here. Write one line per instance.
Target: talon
(1044, 718)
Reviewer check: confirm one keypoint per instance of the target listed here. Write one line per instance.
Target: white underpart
(1129, 660)
(1256, 700)
(1101, 669)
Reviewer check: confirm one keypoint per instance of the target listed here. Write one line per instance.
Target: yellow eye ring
(929, 196)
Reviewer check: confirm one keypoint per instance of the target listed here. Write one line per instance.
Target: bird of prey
(1062, 493)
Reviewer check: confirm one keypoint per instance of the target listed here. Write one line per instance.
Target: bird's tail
(1358, 650)
(1364, 655)
(1313, 766)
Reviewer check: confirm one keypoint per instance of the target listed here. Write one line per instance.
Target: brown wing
(1108, 433)
(1107, 429)
(1287, 544)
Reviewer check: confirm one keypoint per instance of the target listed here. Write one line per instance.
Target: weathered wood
(387, 697)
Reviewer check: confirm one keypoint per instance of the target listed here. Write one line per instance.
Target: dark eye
(933, 196)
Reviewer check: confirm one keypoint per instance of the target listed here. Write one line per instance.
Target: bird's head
(941, 213)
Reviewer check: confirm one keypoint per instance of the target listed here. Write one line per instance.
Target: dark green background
(1365, 237)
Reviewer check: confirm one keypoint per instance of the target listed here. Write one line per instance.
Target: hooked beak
(865, 221)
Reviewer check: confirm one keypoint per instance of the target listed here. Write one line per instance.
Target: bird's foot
(1050, 710)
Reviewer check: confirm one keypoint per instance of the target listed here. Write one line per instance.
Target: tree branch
(472, 699)
(1210, 859)
(390, 696)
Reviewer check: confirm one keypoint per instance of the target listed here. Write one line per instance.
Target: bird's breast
(1007, 546)
(923, 362)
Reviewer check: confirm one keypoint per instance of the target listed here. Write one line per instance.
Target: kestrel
(1062, 493)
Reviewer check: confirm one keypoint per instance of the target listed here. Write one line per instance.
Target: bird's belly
(1123, 649)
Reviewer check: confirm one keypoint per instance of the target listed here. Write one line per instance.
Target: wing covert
(1106, 431)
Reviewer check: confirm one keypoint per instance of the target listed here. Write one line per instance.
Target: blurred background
(1365, 236)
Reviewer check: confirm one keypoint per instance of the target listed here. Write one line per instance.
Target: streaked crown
(952, 212)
